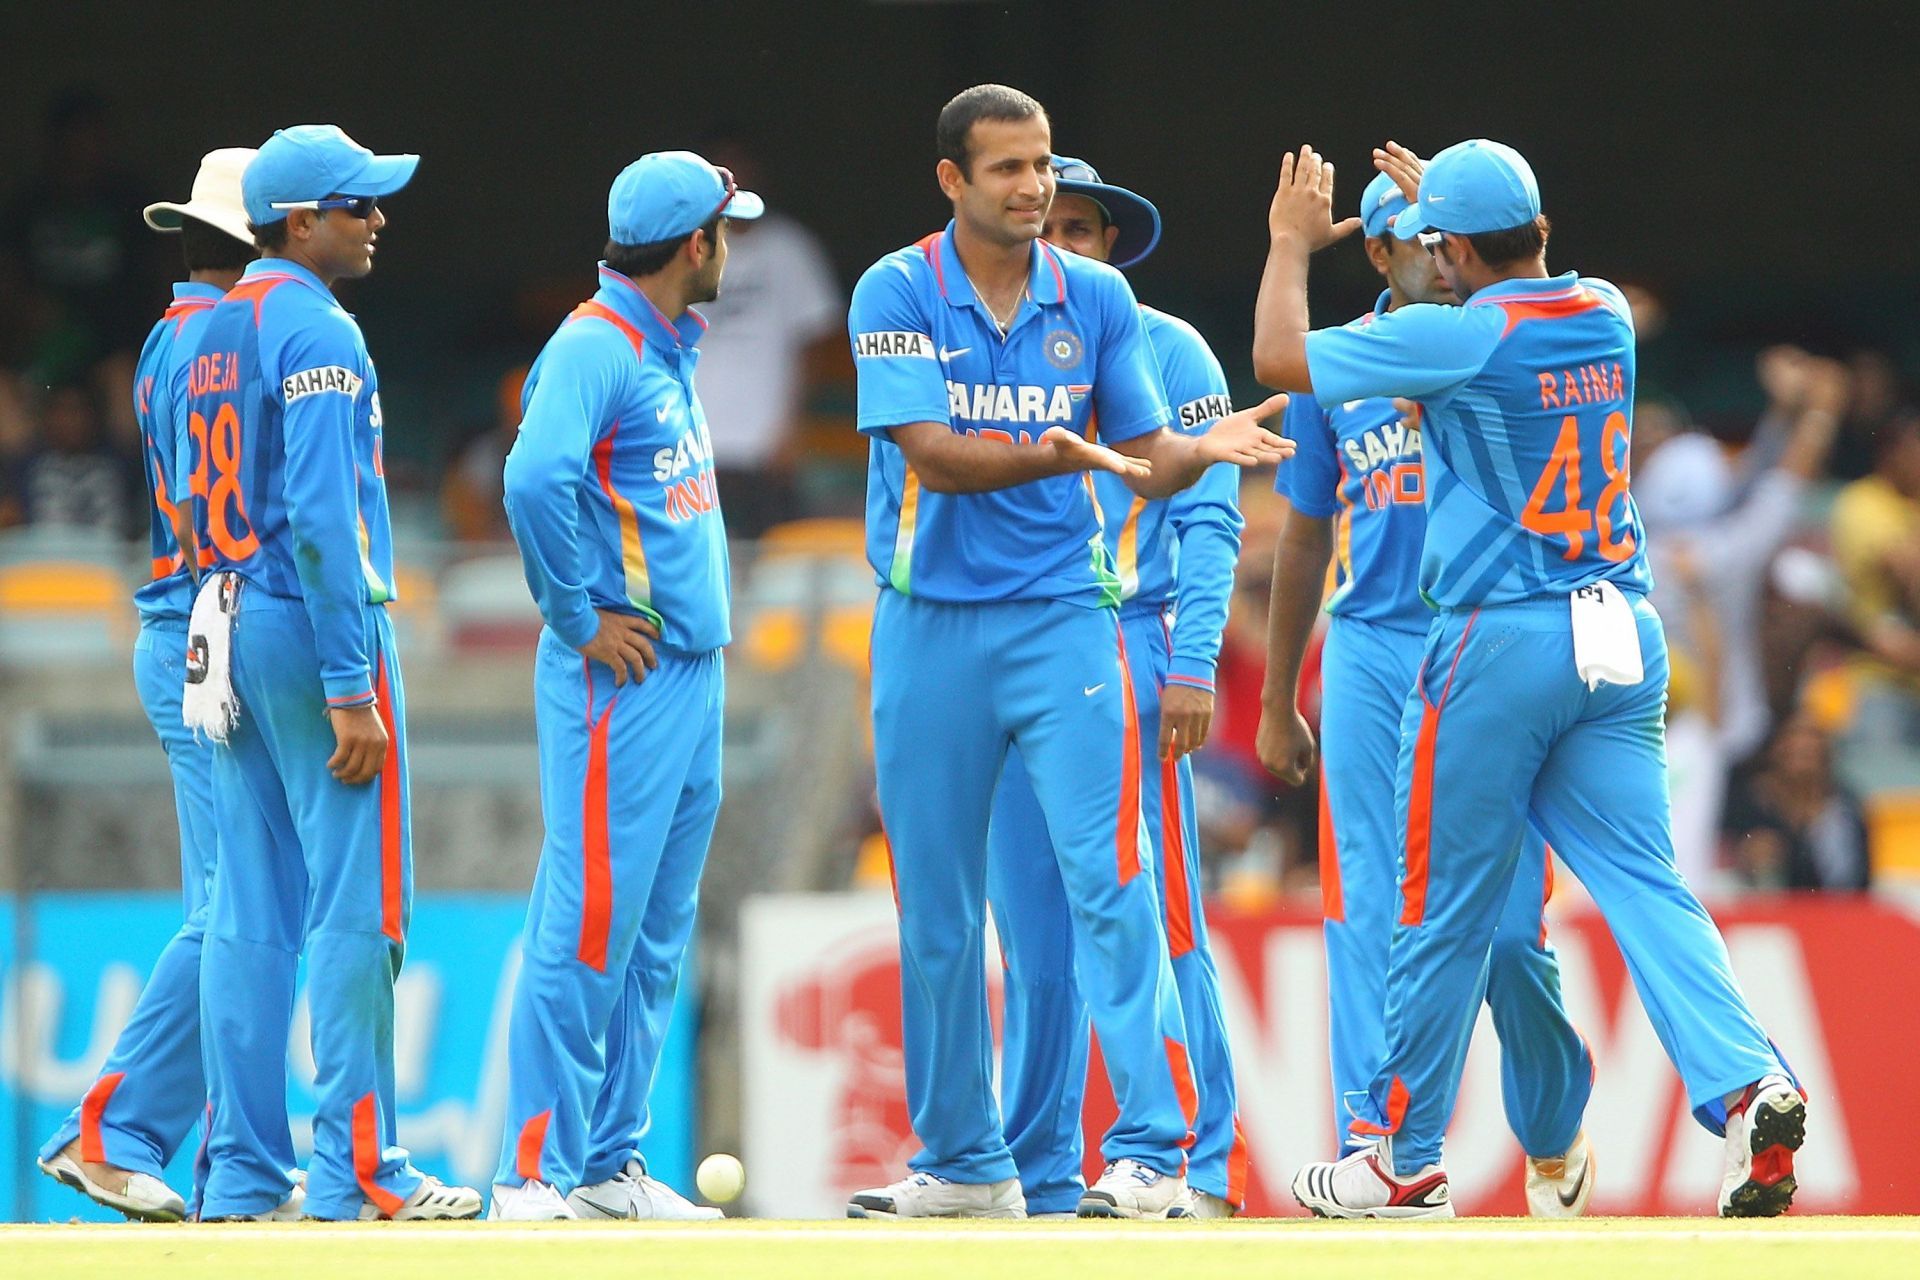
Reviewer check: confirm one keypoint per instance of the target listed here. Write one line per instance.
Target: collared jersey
(289, 488)
(609, 486)
(1182, 548)
(927, 350)
(159, 399)
(1527, 393)
(1357, 463)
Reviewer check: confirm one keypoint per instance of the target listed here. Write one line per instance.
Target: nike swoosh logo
(1090, 690)
(945, 354)
(618, 1209)
(1569, 1198)
(660, 414)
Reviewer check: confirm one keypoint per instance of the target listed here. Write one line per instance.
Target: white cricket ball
(721, 1178)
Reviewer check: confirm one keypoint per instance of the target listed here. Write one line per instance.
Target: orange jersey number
(220, 447)
(1573, 521)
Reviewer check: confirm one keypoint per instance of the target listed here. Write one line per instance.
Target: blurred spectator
(470, 495)
(779, 306)
(1693, 500)
(1876, 541)
(1696, 758)
(1878, 397)
(75, 261)
(1791, 824)
(70, 477)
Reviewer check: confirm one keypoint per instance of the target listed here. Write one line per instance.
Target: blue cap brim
(1411, 221)
(382, 176)
(1138, 220)
(745, 206)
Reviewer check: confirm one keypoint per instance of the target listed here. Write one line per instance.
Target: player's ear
(1377, 252)
(950, 177)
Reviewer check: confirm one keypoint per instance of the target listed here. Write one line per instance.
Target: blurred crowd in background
(1786, 545)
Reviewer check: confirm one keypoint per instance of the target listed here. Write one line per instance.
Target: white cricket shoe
(1560, 1187)
(529, 1202)
(145, 1197)
(928, 1195)
(1207, 1205)
(631, 1194)
(292, 1209)
(1363, 1185)
(1129, 1189)
(431, 1201)
(1062, 1215)
(1764, 1128)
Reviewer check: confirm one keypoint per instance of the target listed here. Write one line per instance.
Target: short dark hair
(269, 235)
(208, 248)
(982, 102)
(636, 260)
(1514, 244)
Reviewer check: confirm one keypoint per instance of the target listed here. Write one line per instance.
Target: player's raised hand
(360, 744)
(1302, 207)
(1403, 166)
(1239, 438)
(625, 643)
(1075, 453)
(1285, 744)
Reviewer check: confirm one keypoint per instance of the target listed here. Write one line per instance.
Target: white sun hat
(216, 196)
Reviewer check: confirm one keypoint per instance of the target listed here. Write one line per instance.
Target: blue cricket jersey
(927, 350)
(159, 400)
(609, 486)
(1527, 392)
(289, 488)
(1356, 463)
(1180, 550)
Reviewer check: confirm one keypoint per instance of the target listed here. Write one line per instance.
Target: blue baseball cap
(1379, 203)
(312, 162)
(1138, 220)
(667, 194)
(1472, 187)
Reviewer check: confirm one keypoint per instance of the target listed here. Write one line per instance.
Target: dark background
(1754, 163)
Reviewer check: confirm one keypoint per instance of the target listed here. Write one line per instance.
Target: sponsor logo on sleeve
(887, 345)
(312, 382)
(1205, 409)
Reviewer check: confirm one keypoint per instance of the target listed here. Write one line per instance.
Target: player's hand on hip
(625, 643)
(360, 744)
(1285, 745)
(1239, 438)
(1302, 207)
(1074, 453)
(1186, 717)
(1403, 166)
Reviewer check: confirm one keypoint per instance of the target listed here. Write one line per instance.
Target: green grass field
(1482, 1249)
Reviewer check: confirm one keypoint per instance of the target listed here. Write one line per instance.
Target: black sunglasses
(356, 206)
(726, 178)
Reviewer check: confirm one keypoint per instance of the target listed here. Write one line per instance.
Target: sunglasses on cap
(726, 179)
(1074, 171)
(356, 206)
(1430, 240)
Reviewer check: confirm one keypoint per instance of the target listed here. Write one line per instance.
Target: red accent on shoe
(1771, 1165)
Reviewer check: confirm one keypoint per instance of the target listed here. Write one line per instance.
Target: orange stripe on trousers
(1333, 903)
(533, 1140)
(596, 907)
(1239, 1162)
(1182, 1068)
(92, 1148)
(1397, 1099)
(1413, 891)
(1126, 834)
(392, 865)
(1173, 842)
(366, 1157)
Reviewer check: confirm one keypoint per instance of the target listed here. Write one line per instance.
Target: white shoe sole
(67, 1173)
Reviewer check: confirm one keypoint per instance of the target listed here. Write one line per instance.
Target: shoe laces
(1140, 1173)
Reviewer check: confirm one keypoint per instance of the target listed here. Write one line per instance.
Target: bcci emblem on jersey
(1064, 349)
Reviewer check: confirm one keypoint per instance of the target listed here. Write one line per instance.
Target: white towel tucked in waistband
(209, 706)
(1606, 637)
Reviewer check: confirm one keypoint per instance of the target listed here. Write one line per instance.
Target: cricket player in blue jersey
(292, 671)
(1175, 560)
(610, 490)
(1542, 684)
(1356, 482)
(987, 364)
(119, 1140)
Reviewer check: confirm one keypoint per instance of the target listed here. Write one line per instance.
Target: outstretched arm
(1177, 461)
(948, 462)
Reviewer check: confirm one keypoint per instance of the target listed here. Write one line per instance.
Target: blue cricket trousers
(1546, 1069)
(955, 687)
(1500, 731)
(630, 788)
(1044, 1054)
(308, 866)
